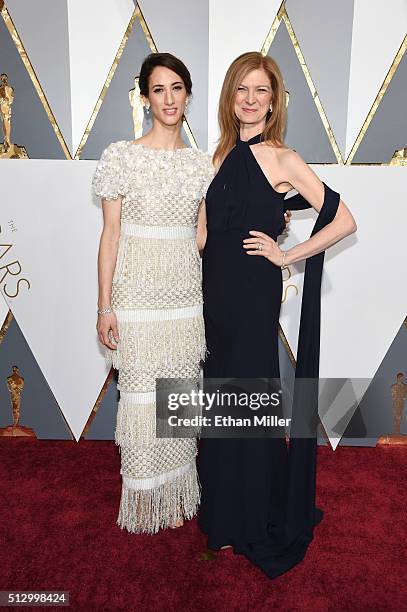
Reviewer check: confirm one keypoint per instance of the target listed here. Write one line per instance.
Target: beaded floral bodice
(159, 187)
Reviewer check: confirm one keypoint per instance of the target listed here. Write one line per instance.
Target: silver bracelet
(104, 310)
(283, 260)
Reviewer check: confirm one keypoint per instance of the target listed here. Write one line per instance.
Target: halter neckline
(253, 140)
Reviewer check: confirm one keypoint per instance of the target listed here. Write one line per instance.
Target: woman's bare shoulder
(280, 150)
(289, 158)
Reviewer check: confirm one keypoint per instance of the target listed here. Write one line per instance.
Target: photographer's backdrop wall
(68, 89)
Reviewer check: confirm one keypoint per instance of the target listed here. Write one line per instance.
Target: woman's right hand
(105, 323)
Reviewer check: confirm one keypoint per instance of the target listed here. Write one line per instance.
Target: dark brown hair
(168, 61)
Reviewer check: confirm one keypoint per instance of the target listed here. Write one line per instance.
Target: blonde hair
(229, 124)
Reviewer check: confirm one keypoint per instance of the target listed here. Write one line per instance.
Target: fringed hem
(135, 424)
(157, 344)
(148, 511)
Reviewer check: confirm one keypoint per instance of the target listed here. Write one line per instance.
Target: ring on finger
(260, 246)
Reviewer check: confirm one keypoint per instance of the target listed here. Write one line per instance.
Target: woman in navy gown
(258, 494)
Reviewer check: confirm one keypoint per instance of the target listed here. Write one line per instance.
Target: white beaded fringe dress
(157, 299)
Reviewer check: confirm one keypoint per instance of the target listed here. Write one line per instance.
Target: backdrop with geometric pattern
(67, 69)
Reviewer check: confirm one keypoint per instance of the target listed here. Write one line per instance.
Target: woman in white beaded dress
(150, 301)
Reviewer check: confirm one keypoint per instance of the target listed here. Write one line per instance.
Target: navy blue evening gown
(258, 494)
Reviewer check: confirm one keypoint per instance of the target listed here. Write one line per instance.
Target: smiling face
(253, 98)
(167, 95)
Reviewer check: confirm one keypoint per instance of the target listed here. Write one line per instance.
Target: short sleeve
(208, 172)
(109, 180)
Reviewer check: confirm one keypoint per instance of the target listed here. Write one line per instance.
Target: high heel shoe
(177, 524)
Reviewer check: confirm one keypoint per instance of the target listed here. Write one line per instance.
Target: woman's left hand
(262, 244)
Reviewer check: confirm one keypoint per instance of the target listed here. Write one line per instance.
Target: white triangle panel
(378, 31)
(96, 29)
(3, 311)
(55, 240)
(234, 28)
(363, 300)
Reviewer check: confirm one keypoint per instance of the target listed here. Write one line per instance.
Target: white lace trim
(161, 232)
(159, 314)
(147, 397)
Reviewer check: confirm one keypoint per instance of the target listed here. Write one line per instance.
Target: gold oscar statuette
(8, 150)
(15, 383)
(138, 109)
(398, 396)
(399, 158)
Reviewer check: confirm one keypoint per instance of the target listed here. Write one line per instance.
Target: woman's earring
(147, 107)
(271, 108)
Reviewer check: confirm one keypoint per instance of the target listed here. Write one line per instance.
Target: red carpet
(59, 504)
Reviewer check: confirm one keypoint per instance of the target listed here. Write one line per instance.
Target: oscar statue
(399, 158)
(15, 383)
(8, 150)
(398, 396)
